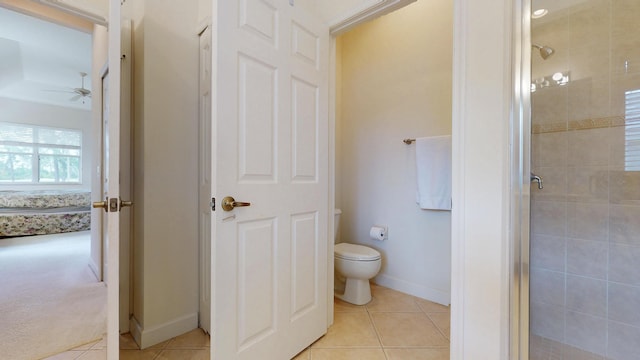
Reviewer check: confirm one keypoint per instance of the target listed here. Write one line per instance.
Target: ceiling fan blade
(79, 93)
(60, 91)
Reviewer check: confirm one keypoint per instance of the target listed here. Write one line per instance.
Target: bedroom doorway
(69, 299)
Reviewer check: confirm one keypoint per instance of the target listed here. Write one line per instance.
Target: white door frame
(484, 115)
(204, 170)
(126, 171)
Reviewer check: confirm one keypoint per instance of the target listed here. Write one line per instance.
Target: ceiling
(555, 8)
(38, 56)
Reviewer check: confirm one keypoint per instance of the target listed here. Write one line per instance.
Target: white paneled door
(270, 131)
(112, 169)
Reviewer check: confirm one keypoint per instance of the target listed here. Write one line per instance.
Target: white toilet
(354, 265)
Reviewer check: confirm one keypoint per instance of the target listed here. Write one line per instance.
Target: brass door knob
(101, 205)
(229, 203)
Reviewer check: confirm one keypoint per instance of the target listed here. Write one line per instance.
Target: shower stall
(584, 239)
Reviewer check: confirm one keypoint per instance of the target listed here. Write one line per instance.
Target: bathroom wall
(396, 77)
(165, 267)
(585, 243)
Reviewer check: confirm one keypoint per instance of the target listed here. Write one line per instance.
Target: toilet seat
(356, 252)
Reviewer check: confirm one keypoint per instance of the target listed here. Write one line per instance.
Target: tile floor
(193, 345)
(393, 326)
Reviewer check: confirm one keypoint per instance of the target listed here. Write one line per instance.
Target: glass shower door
(585, 144)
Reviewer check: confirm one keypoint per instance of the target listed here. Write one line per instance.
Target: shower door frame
(520, 154)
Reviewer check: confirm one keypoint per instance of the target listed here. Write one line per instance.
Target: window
(33, 154)
(632, 130)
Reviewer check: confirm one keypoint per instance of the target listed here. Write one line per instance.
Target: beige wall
(165, 169)
(395, 83)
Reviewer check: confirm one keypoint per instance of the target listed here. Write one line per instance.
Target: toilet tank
(336, 223)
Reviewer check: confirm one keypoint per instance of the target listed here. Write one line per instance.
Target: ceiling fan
(80, 93)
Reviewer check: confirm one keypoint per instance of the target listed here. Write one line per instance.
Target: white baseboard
(155, 335)
(94, 269)
(420, 291)
(135, 329)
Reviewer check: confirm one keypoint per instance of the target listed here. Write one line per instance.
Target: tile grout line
(375, 328)
(446, 336)
(438, 327)
(158, 354)
(433, 322)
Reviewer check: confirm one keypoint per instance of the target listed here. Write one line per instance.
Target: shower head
(545, 51)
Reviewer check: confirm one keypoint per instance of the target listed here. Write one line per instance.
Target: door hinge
(213, 204)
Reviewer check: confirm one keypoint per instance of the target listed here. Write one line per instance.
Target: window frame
(36, 154)
(632, 130)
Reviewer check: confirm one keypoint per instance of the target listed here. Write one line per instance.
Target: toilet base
(356, 291)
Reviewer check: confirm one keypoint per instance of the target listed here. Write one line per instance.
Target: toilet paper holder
(378, 232)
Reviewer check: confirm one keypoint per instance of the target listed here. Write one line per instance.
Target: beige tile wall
(585, 223)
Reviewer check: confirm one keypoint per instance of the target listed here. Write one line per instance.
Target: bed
(44, 212)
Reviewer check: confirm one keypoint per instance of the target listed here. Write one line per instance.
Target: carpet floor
(50, 301)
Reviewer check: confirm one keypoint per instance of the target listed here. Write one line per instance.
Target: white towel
(433, 172)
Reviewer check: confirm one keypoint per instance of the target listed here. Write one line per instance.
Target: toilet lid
(355, 252)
